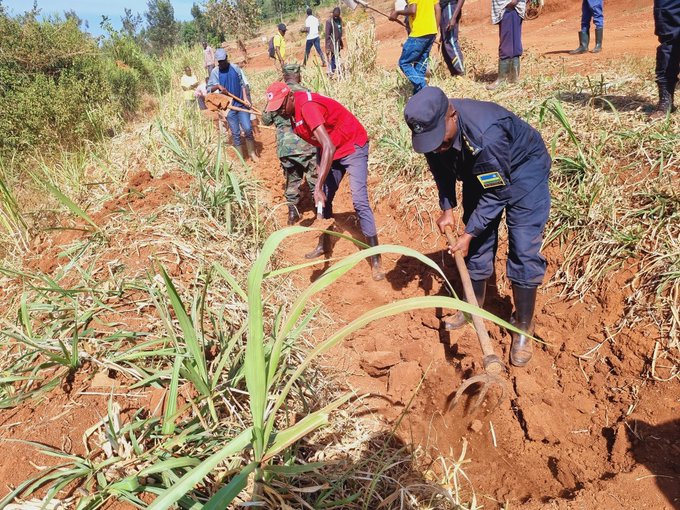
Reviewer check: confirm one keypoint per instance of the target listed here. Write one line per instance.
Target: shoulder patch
(491, 180)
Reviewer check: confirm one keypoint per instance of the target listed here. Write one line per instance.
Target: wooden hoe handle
(492, 363)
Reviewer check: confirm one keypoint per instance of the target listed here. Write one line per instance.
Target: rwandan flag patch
(491, 180)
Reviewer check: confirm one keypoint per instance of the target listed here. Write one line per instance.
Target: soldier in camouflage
(298, 158)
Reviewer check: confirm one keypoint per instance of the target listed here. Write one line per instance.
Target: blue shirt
(231, 79)
(497, 155)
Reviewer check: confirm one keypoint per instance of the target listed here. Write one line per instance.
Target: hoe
(493, 366)
(352, 4)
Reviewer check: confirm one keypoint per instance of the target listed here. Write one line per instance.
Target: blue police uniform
(503, 165)
(592, 10)
(667, 29)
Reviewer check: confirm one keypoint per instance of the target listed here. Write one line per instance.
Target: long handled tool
(352, 4)
(493, 366)
(254, 110)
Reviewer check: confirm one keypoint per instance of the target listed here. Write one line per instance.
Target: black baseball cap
(282, 27)
(425, 114)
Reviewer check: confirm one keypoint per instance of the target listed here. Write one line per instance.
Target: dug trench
(580, 427)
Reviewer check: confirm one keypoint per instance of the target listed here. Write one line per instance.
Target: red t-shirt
(345, 130)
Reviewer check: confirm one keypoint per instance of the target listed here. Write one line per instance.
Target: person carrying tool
(590, 10)
(228, 79)
(343, 149)
(448, 26)
(424, 23)
(333, 38)
(504, 166)
(298, 158)
(508, 15)
(667, 29)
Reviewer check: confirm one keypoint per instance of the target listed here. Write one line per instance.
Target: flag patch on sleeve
(491, 180)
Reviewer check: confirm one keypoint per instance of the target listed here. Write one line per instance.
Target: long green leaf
(70, 205)
(226, 494)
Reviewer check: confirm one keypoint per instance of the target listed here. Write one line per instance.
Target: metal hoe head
(487, 381)
(350, 3)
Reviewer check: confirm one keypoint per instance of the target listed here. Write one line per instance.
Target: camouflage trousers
(295, 168)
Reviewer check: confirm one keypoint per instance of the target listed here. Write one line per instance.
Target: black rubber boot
(322, 248)
(375, 260)
(584, 41)
(459, 319)
(665, 105)
(504, 68)
(293, 214)
(598, 41)
(522, 346)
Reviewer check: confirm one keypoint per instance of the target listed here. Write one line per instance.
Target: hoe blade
(486, 381)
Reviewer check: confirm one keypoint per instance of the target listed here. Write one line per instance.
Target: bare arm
(456, 14)
(327, 153)
(409, 11)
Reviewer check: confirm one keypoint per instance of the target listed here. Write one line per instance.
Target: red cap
(276, 95)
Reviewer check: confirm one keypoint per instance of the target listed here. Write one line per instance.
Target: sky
(92, 10)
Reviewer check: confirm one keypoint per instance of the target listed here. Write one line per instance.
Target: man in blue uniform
(590, 10)
(504, 166)
(448, 26)
(225, 78)
(667, 29)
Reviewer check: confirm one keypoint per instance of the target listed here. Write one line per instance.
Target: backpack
(272, 50)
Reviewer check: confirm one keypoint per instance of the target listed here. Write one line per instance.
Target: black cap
(425, 114)
(282, 27)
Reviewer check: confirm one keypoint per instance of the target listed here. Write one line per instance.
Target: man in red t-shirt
(343, 148)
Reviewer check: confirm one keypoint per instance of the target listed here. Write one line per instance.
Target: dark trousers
(451, 52)
(667, 28)
(526, 221)
(356, 166)
(308, 47)
(510, 35)
(591, 10)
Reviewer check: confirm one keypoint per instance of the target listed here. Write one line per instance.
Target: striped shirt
(498, 9)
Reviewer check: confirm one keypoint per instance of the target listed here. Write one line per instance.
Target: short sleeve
(313, 115)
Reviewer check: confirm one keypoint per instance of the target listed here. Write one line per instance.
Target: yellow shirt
(189, 84)
(425, 21)
(280, 43)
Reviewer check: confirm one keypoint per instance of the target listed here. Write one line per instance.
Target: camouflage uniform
(298, 158)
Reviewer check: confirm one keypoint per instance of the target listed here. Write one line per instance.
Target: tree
(162, 28)
(237, 18)
(131, 23)
(71, 15)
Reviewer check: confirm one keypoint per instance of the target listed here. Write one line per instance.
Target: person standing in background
(334, 39)
(312, 30)
(590, 10)
(508, 15)
(448, 26)
(279, 43)
(208, 58)
(667, 29)
(188, 82)
(424, 22)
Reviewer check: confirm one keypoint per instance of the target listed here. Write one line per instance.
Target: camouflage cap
(291, 68)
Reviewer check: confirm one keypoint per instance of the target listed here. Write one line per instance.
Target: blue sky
(92, 10)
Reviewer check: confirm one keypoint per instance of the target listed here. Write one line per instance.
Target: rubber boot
(504, 66)
(598, 41)
(522, 346)
(459, 319)
(375, 260)
(250, 144)
(665, 105)
(584, 41)
(293, 214)
(513, 76)
(322, 247)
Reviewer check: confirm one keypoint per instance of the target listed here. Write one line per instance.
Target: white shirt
(498, 9)
(312, 24)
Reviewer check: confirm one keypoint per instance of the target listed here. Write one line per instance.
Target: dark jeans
(510, 34)
(413, 60)
(236, 121)
(308, 47)
(667, 28)
(356, 165)
(591, 9)
(453, 56)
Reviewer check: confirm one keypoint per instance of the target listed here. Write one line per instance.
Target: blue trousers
(308, 47)
(510, 35)
(236, 121)
(413, 60)
(591, 10)
(356, 166)
(667, 29)
(451, 52)
(526, 221)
